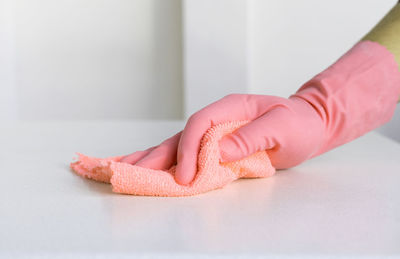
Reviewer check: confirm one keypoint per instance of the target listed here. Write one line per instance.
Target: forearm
(387, 33)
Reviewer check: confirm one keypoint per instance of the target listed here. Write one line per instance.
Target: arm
(387, 32)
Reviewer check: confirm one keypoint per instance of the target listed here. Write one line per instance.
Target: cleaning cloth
(211, 174)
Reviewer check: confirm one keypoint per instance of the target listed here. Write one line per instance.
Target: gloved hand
(290, 129)
(355, 95)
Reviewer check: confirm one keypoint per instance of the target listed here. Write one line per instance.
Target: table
(343, 203)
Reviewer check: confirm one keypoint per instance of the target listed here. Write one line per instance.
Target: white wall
(91, 59)
(291, 41)
(215, 53)
(8, 102)
(113, 59)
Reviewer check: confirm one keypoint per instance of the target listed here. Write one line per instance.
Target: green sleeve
(387, 32)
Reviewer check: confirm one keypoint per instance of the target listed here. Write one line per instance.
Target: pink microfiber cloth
(211, 174)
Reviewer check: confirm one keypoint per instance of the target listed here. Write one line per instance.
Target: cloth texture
(211, 174)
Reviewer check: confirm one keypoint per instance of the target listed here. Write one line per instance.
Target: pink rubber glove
(355, 95)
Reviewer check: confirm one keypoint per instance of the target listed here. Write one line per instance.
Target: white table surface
(343, 203)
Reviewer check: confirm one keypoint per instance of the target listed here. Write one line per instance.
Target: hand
(289, 129)
(355, 95)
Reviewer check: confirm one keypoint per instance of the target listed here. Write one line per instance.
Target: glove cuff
(356, 94)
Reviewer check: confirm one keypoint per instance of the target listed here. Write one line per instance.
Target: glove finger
(163, 156)
(136, 156)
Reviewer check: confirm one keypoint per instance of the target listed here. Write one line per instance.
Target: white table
(343, 203)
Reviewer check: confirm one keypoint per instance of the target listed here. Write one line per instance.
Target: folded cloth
(211, 174)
